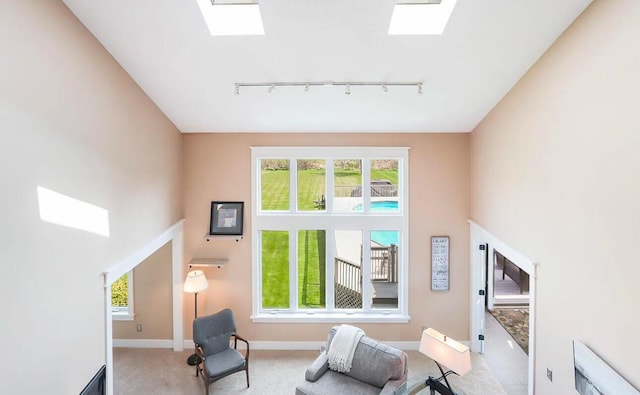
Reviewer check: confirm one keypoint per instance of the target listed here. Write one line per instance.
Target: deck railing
(348, 274)
(382, 190)
(384, 267)
(384, 263)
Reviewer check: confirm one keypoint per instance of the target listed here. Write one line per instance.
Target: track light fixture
(271, 86)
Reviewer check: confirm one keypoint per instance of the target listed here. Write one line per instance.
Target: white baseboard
(256, 344)
(144, 343)
(309, 345)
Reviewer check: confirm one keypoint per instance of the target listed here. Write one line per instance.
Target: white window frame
(122, 313)
(292, 220)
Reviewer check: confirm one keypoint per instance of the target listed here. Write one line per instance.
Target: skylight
(232, 19)
(420, 18)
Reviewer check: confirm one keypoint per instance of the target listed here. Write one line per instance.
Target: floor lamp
(448, 352)
(195, 282)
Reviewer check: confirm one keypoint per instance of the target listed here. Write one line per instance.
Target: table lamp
(444, 351)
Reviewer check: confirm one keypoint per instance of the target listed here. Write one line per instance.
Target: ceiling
(486, 47)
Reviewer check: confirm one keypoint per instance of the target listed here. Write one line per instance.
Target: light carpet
(163, 371)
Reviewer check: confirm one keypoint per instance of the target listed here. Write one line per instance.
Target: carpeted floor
(165, 372)
(516, 323)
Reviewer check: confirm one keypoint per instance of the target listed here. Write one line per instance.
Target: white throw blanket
(343, 346)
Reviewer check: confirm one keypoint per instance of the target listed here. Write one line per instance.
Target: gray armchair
(217, 359)
(376, 368)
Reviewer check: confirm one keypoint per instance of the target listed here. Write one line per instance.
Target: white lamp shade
(445, 351)
(195, 282)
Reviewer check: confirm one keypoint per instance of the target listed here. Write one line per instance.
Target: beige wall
(217, 167)
(71, 120)
(556, 175)
(152, 294)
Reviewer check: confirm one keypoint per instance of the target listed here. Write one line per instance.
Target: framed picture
(226, 218)
(593, 376)
(440, 263)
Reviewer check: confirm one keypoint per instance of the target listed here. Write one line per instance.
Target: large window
(330, 234)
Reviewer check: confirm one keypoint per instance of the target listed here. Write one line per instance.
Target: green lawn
(311, 186)
(275, 189)
(311, 243)
(275, 269)
(311, 268)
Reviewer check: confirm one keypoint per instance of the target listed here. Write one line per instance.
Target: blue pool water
(384, 205)
(383, 237)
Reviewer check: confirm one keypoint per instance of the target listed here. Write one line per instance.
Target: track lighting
(271, 86)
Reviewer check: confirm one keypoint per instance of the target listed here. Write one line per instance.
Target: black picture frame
(227, 218)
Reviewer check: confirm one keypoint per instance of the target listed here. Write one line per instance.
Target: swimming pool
(383, 205)
(383, 237)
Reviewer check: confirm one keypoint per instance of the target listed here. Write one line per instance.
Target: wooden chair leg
(247, 372)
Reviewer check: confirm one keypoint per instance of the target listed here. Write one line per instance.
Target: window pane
(384, 269)
(311, 269)
(275, 184)
(311, 184)
(384, 185)
(347, 184)
(120, 292)
(348, 269)
(275, 269)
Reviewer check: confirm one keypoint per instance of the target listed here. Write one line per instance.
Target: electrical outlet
(139, 328)
(550, 374)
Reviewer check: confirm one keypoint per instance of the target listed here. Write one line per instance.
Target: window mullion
(330, 187)
(366, 269)
(293, 269)
(330, 269)
(293, 185)
(366, 185)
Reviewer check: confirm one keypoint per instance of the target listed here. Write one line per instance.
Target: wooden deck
(384, 290)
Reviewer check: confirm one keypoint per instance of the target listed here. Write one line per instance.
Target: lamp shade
(445, 351)
(195, 282)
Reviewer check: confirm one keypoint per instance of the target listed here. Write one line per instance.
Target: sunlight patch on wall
(60, 209)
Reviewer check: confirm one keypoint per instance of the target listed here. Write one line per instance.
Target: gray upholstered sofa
(376, 368)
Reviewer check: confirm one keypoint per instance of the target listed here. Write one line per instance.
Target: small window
(122, 297)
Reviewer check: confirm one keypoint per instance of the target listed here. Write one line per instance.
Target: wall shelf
(209, 237)
(208, 262)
